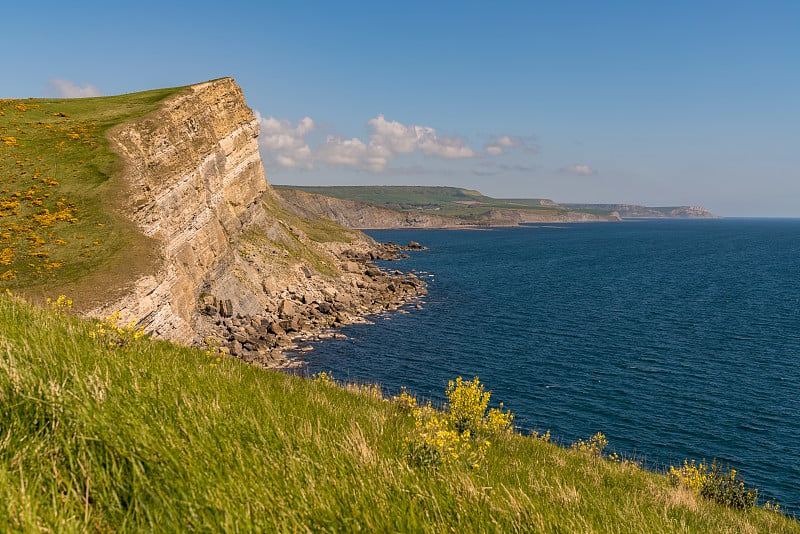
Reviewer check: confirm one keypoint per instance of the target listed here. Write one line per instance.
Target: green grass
(297, 230)
(397, 197)
(152, 436)
(58, 225)
(535, 202)
(454, 202)
(317, 228)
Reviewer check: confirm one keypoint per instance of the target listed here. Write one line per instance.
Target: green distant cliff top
(445, 201)
(466, 203)
(399, 197)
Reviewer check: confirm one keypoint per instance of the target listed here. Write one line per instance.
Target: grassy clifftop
(445, 201)
(399, 197)
(140, 202)
(57, 194)
(101, 431)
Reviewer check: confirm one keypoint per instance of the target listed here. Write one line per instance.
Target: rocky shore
(312, 308)
(227, 261)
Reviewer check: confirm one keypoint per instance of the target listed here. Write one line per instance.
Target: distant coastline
(396, 207)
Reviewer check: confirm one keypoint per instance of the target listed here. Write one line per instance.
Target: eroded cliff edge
(234, 261)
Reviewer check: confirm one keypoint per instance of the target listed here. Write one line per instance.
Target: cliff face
(194, 180)
(650, 212)
(234, 261)
(512, 217)
(355, 214)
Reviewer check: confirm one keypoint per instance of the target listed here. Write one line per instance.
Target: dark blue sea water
(676, 338)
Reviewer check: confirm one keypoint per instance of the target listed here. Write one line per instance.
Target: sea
(675, 338)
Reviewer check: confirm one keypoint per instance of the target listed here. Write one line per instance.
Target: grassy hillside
(594, 209)
(300, 232)
(57, 222)
(399, 197)
(445, 201)
(101, 431)
(472, 205)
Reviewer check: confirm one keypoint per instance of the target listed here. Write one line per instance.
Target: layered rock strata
(195, 185)
(194, 179)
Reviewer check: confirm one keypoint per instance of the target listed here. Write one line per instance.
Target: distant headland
(372, 207)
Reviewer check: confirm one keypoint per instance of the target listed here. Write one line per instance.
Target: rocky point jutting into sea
(234, 260)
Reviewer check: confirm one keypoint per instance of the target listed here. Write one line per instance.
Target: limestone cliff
(194, 179)
(355, 214)
(195, 185)
(512, 217)
(635, 211)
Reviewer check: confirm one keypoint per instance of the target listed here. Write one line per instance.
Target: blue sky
(638, 102)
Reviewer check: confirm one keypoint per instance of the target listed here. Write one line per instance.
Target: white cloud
(340, 151)
(444, 147)
(580, 170)
(504, 142)
(337, 151)
(67, 89)
(387, 140)
(285, 145)
(400, 139)
(393, 135)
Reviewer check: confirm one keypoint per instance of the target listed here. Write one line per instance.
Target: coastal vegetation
(105, 429)
(297, 228)
(399, 197)
(57, 194)
(454, 202)
(465, 206)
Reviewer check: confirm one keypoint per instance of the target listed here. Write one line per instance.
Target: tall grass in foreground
(145, 435)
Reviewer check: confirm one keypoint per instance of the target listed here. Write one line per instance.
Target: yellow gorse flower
(716, 483)
(593, 445)
(115, 335)
(61, 304)
(459, 434)
(690, 474)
